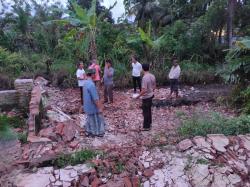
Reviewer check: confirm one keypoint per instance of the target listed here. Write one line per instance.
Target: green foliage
(191, 30)
(22, 137)
(16, 64)
(197, 73)
(119, 167)
(202, 161)
(245, 94)
(6, 132)
(201, 124)
(240, 98)
(79, 157)
(237, 69)
(13, 63)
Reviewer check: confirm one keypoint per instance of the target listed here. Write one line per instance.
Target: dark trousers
(136, 80)
(174, 85)
(81, 94)
(147, 112)
(108, 93)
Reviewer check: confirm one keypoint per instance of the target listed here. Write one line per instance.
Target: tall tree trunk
(230, 15)
(220, 35)
(92, 45)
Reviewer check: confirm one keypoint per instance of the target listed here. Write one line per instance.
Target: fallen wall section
(23, 88)
(36, 107)
(19, 97)
(8, 99)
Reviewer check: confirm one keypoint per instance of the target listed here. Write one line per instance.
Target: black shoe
(145, 129)
(101, 135)
(89, 135)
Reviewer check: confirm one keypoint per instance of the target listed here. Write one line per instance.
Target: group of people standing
(90, 81)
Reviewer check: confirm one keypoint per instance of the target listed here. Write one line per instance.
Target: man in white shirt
(136, 73)
(174, 76)
(80, 74)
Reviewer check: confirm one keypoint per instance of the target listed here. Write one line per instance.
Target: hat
(90, 71)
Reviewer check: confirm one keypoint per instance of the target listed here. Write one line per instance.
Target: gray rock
(234, 178)
(201, 142)
(219, 141)
(184, 145)
(200, 175)
(220, 180)
(31, 180)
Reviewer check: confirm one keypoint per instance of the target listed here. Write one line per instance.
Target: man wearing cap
(95, 124)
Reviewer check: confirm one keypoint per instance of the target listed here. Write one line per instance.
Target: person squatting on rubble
(174, 76)
(95, 124)
(147, 94)
(136, 73)
(108, 81)
(80, 74)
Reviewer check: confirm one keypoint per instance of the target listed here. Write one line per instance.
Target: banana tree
(237, 69)
(145, 40)
(85, 22)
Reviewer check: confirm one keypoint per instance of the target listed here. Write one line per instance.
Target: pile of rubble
(132, 158)
(215, 161)
(212, 161)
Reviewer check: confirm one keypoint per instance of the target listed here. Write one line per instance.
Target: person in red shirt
(97, 77)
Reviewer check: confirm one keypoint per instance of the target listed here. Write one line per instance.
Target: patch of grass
(16, 122)
(79, 157)
(22, 137)
(6, 133)
(179, 113)
(119, 167)
(202, 161)
(201, 124)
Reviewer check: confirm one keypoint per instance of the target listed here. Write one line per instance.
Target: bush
(196, 73)
(246, 100)
(22, 137)
(6, 82)
(63, 73)
(239, 98)
(201, 124)
(6, 132)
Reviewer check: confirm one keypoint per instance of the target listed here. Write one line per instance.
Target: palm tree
(231, 7)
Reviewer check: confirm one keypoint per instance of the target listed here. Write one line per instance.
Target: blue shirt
(90, 95)
(108, 76)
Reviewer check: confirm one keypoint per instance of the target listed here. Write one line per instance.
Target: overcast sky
(117, 11)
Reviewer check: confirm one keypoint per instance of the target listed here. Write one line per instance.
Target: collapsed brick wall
(35, 108)
(8, 99)
(19, 97)
(27, 98)
(23, 88)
